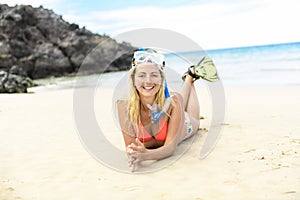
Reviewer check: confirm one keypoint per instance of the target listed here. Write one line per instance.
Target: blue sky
(211, 23)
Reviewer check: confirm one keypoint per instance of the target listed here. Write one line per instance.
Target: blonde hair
(134, 102)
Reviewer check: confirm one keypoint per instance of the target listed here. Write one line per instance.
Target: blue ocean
(267, 65)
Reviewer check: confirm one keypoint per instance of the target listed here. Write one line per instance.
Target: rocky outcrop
(42, 44)
(14, 81)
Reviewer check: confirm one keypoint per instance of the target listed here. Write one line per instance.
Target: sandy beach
(257, 155)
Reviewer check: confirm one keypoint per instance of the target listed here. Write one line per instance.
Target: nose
(148, 79)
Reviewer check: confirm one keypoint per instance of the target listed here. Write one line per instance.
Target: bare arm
(169, 147)
(128, 134)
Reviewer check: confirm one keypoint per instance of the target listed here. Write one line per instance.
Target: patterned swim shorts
(189, 126)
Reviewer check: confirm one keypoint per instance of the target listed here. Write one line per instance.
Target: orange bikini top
(144, 136)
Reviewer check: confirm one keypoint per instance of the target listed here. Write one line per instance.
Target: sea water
(267, 65)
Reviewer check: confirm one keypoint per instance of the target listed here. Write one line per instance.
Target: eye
(155, 75)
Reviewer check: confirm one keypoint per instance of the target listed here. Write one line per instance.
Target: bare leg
(190, 101)
(185, 90)
(193, 107)
(190, 98)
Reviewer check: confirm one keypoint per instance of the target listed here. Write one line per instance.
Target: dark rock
(16, 70)
(42, 44)
(3, 79)
(19, 49)
(119, 63)
(12, 83)
(6, 61)
(50, 60)
(27, 64)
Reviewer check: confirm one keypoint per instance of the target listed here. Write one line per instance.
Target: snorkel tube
(143, 55)
(156, 115)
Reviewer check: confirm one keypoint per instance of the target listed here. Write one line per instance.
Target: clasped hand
(135, 152)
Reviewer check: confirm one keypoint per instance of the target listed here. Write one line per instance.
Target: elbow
(172, 150)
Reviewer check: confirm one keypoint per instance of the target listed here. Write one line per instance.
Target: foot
(205, 69)
(190, 74)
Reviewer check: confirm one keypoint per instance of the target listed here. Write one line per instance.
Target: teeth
(149, 87)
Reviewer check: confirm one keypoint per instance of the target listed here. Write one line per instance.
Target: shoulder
(176, 101)
(121, 106)
(121, 103)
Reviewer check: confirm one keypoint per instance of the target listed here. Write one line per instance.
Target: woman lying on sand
(154, 121)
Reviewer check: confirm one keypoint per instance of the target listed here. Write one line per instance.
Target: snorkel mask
(143, 55)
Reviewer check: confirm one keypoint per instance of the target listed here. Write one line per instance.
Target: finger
(131, 163)
(133, 168)
(136, 149)
(131, 160)
(129, 150)
(139, 143)
(133, 145)
(132, 150)
(134, 164)
(136, 161)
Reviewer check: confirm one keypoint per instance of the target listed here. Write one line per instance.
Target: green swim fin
(206, 70)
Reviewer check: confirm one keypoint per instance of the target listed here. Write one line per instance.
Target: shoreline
(256, 156)
(111, 79)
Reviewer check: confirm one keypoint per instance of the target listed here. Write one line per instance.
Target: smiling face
(147, 79)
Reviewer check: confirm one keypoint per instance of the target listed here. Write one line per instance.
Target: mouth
(148, 87)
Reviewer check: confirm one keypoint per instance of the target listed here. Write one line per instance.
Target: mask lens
(145, 56)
